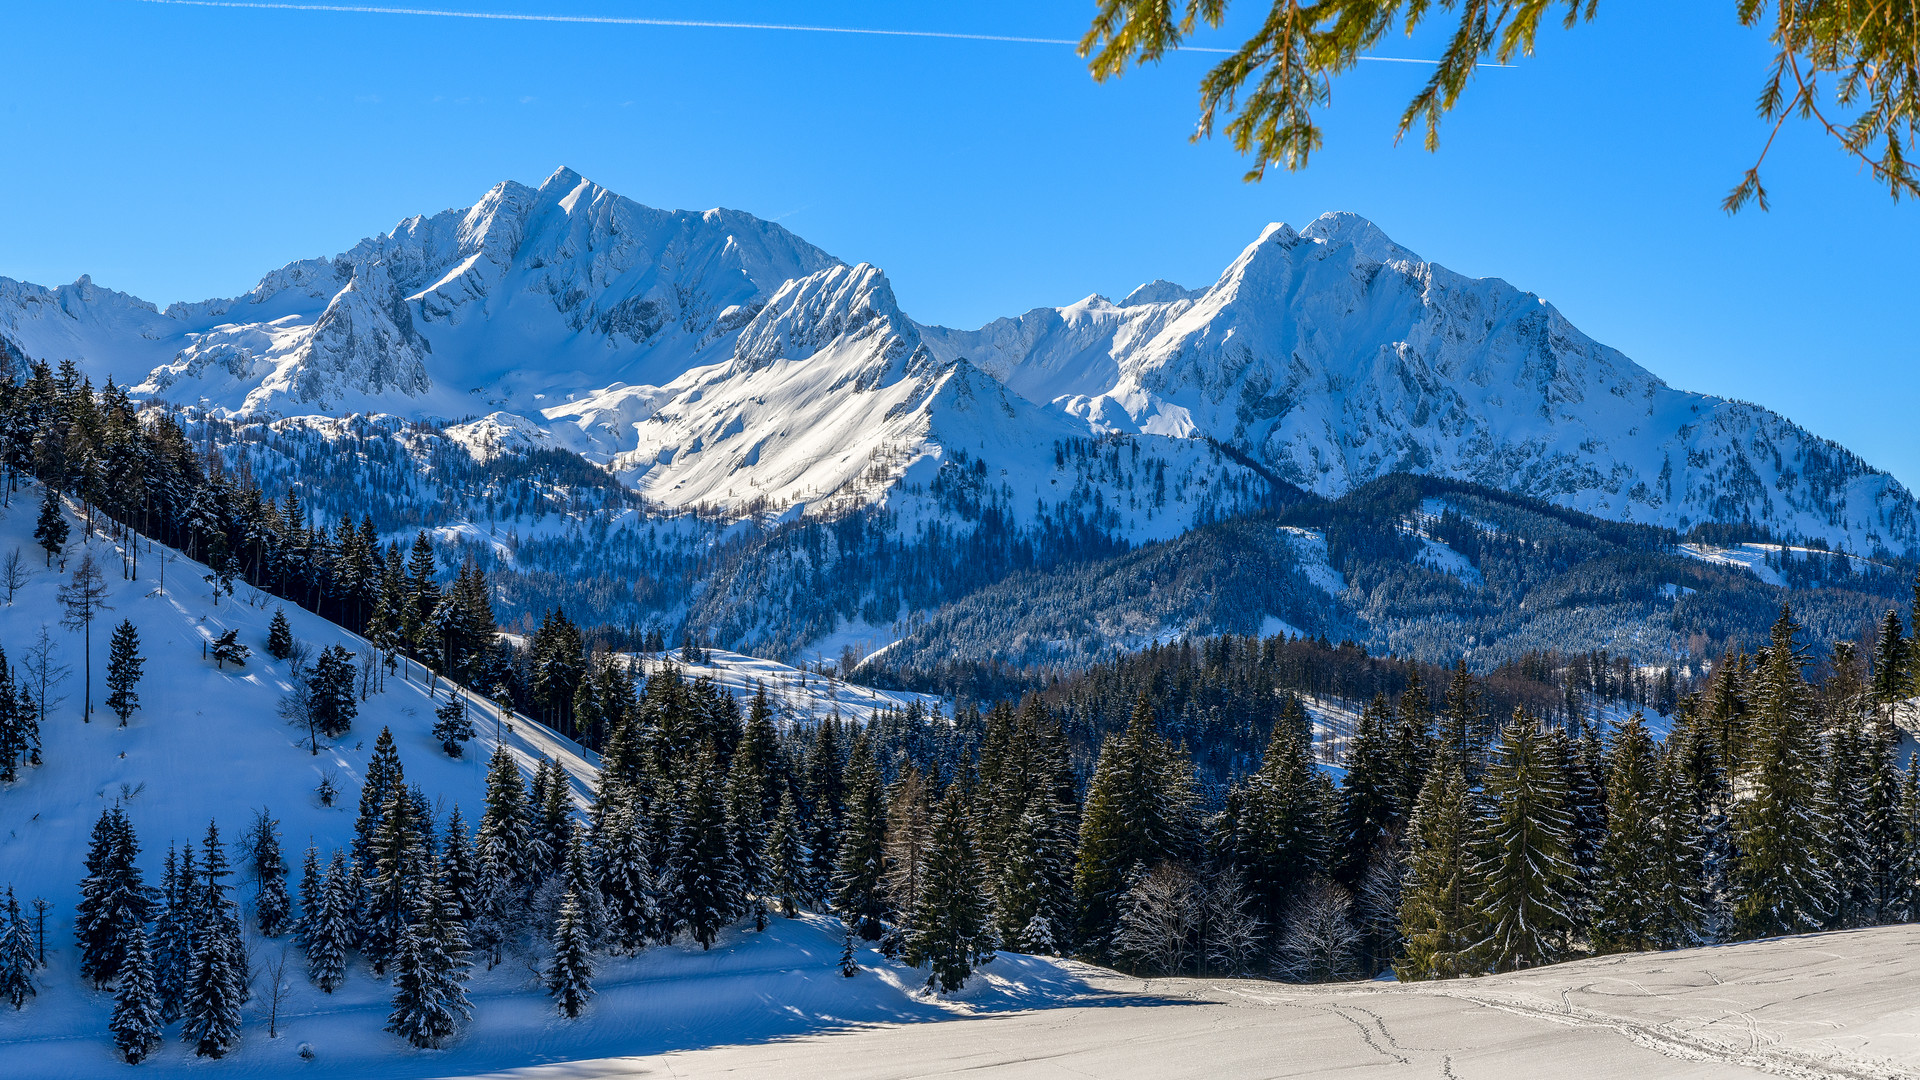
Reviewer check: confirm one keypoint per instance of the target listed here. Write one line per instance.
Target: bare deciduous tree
(85, 597)
(1159, 917)
(45, 674)
(14, 573)
(1231, 939)
(1318, 940)
(278, 986)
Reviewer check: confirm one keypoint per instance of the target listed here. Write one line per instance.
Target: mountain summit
(714, 359)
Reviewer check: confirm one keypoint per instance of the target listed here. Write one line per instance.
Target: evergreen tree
(173, 932)
(396, 856)
(384, 776)
(124, 667)
(704, 884)
(569, 973)
(1036, 882)
(136, 1023)
(1278, 824)
(279, 635)
(217, 975)
(626, 882)
(16, 956)
(1523, 873)
(789, 865)
(1368, 792)
(1461, 722)
(272, 908)
(1784, 885)
(1138, 810)
(504, 830)
(330, 690)
(858, 895)
(1437, 914)
(429, 993)
(50, 531)
(949, 932)
(459, 870)
(452, 725)
(329, 931)
(112, 897)
(313, 891)
(1627, 909)
(1686, 872)
(553, 819)
(1892, 663)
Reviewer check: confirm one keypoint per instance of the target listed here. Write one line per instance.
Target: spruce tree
(452, 725)
(1631, 859)
(1278, 827)
(1369, 810)
(397, 856)
(50, 530)
(173, 932)
(313, 891)
(217, 976)
(569, 973)
(704, 884)
(329, 931)
(1889, 871)
(16, 956)
(1035, 889)
(279, 635)
(949, 933)
(1138, 810)
(626, 882)
(136, 1023)
(504, 826)
(1523, 872)
(1783, 883)
(459, 870)
(858, 896)
(124, 667)
(272, 907)
(430, 964)
(789, 865)
(553, 819)
(1437, 913)
(1687, 873)
(113, 897)
(384, 776)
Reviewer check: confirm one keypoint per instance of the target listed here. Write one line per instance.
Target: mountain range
(717, 359)
(729, 375)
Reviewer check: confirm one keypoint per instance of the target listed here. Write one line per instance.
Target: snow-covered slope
(1816, 1007)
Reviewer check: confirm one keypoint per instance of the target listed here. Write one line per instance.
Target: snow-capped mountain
(1334, 356)
(717, 361)
(528, 297)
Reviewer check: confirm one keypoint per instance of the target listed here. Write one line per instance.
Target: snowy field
(795, 693)
(1837, 1005)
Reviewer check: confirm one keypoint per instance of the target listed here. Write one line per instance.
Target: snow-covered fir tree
(124, 667)
(136, 1023)
(217, 975)
(950, 933)
(569, 972)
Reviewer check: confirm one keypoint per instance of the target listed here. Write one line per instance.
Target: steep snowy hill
(1334, 356)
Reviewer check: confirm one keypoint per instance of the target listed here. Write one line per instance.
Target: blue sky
(179, 152)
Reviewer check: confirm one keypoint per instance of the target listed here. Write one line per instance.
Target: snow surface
(1826, 1005)
(796, 695)
(1310, 549)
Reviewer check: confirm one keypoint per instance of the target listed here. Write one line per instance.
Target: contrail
(629, 20)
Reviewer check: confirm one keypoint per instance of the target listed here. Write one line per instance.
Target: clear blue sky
(179, 152)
